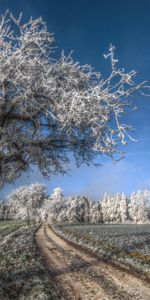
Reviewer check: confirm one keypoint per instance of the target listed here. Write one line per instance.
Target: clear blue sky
(88, 27)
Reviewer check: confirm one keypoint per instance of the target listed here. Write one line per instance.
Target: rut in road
(81, 276)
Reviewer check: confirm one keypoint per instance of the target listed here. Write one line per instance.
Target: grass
(125, 244)
(22, 273)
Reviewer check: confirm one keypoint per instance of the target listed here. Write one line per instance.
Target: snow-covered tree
(26, 202)
(124, 208)
(139, 203)
(133, 208)
(57, 194)
(116, 214)
(95, 212)
(115, 208)
(51, 107)
(106, 207)
(109, 208)
(77, 209)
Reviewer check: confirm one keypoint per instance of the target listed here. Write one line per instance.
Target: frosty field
(22, 275)
(125, 244)
(36, 262)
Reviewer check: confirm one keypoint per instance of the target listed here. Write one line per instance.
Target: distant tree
(26, 202)
(109, 208)
(116, 212)
(139, 205)
(50, 107)
(77, 209)
(142, 215)
(105, 207)
(115, 208)
(95, 212)
(57, 194)
(124, 215)
(133, 208)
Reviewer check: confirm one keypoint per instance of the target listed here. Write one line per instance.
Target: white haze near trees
(32, 203)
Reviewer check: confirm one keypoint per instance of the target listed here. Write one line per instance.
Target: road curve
(80, 276)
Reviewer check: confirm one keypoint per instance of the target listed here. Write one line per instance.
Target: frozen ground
(128, 244)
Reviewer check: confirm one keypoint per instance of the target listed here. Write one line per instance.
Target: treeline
(111, 209)
(33, 203)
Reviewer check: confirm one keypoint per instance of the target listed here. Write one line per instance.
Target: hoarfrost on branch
(51, 107)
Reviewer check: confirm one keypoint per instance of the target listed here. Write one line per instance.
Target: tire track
(81, 276)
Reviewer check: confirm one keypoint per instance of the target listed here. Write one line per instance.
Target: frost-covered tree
(57, 194)
(124, 208)
(73, 210)
(105, 207)
(51, 107)
(26, 202)
(77, 209)
(138, 207)
(141, 213)
(95, 212)
(133, 208)
(115, 208)
(116, 212)
(109, 208)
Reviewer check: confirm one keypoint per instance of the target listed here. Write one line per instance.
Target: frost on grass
(127, 245)
(22, 274)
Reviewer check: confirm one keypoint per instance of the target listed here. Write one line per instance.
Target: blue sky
(88, 27)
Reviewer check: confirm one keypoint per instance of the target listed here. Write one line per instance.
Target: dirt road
(78, 275)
